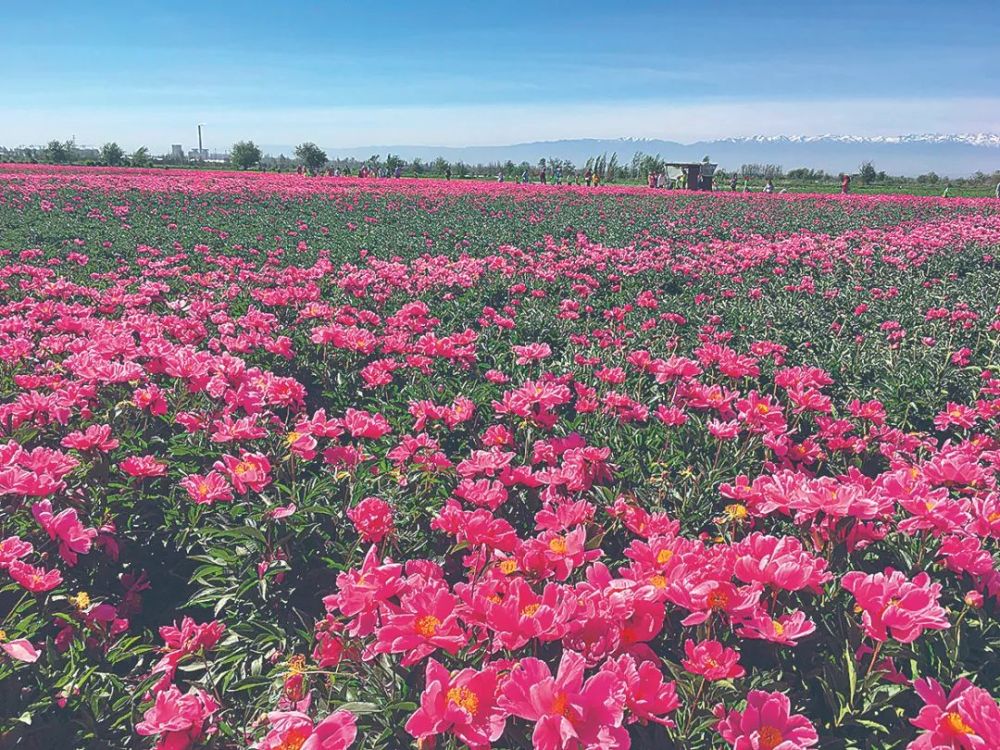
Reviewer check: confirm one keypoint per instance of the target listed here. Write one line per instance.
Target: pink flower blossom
(765, 724)
(894, 607)
(21, 650)
(463, 704)
(967, 718)
(567, 711)
(178, 720)
(372, 518)
(712, 660)
(293, 729)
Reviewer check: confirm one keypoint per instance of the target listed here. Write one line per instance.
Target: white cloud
(499, 124)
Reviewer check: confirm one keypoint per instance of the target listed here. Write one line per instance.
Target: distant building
(177, 152)
(198, 154)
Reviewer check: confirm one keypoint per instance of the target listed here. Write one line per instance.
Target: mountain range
(910, 155)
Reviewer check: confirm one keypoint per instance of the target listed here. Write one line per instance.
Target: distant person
(499, 176)
(661, 180)
(651, 179)
(541, 176)
(947, 189)
(557, 175)
(746, 185)
(769, 186)
(397, 172)
(588, 177)
(732, 183)
(845, 184)
(597, 179)
(299, 170)
(524, 177)
(447, 173)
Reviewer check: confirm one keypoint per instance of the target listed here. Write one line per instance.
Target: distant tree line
(246, 155)
(67, 152)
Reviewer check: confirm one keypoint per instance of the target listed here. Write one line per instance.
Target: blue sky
(465, 73)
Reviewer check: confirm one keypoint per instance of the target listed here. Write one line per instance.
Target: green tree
(140, 157)
(867, 172)
(439, 165)
(611, 171)
(392, 161)
(311, 156)
(112, 154)
(57, 152)
(246, 154)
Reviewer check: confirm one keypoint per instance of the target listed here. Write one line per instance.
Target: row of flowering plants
(318, 463)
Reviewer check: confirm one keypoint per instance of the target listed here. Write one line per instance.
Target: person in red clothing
(845, 184)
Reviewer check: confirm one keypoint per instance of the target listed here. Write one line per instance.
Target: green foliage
(312, 156)
(57, 152)
(245, 154)
(140, 157)
(112, 154)
(868, 173)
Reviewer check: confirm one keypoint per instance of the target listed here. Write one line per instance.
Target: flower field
(315, 463)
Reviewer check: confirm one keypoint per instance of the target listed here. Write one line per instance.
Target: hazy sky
(470, 73)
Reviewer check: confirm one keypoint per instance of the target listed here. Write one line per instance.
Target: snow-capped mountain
(973, 139)
(914, 154)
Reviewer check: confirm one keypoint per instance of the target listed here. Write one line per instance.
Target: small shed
(697, 174)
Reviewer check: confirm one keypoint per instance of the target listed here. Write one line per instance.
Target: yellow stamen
(955, 723)
(427, 625)
(464, 698)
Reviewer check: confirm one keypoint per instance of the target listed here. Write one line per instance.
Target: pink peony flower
(372, 517)
(425, 621)
(20, 649)
(894, 607)
(74, 539)
(786, 629)
(568, 712)
(97, 437)
(143, 466)
(362, 592)
(765, 724)
(13, 548)
(251, 471)
(207, 489)
(292, 729)
(35, 580)
(712, 660)
(968, 718)
(178, 720)
(647, 696)
(463, 704)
